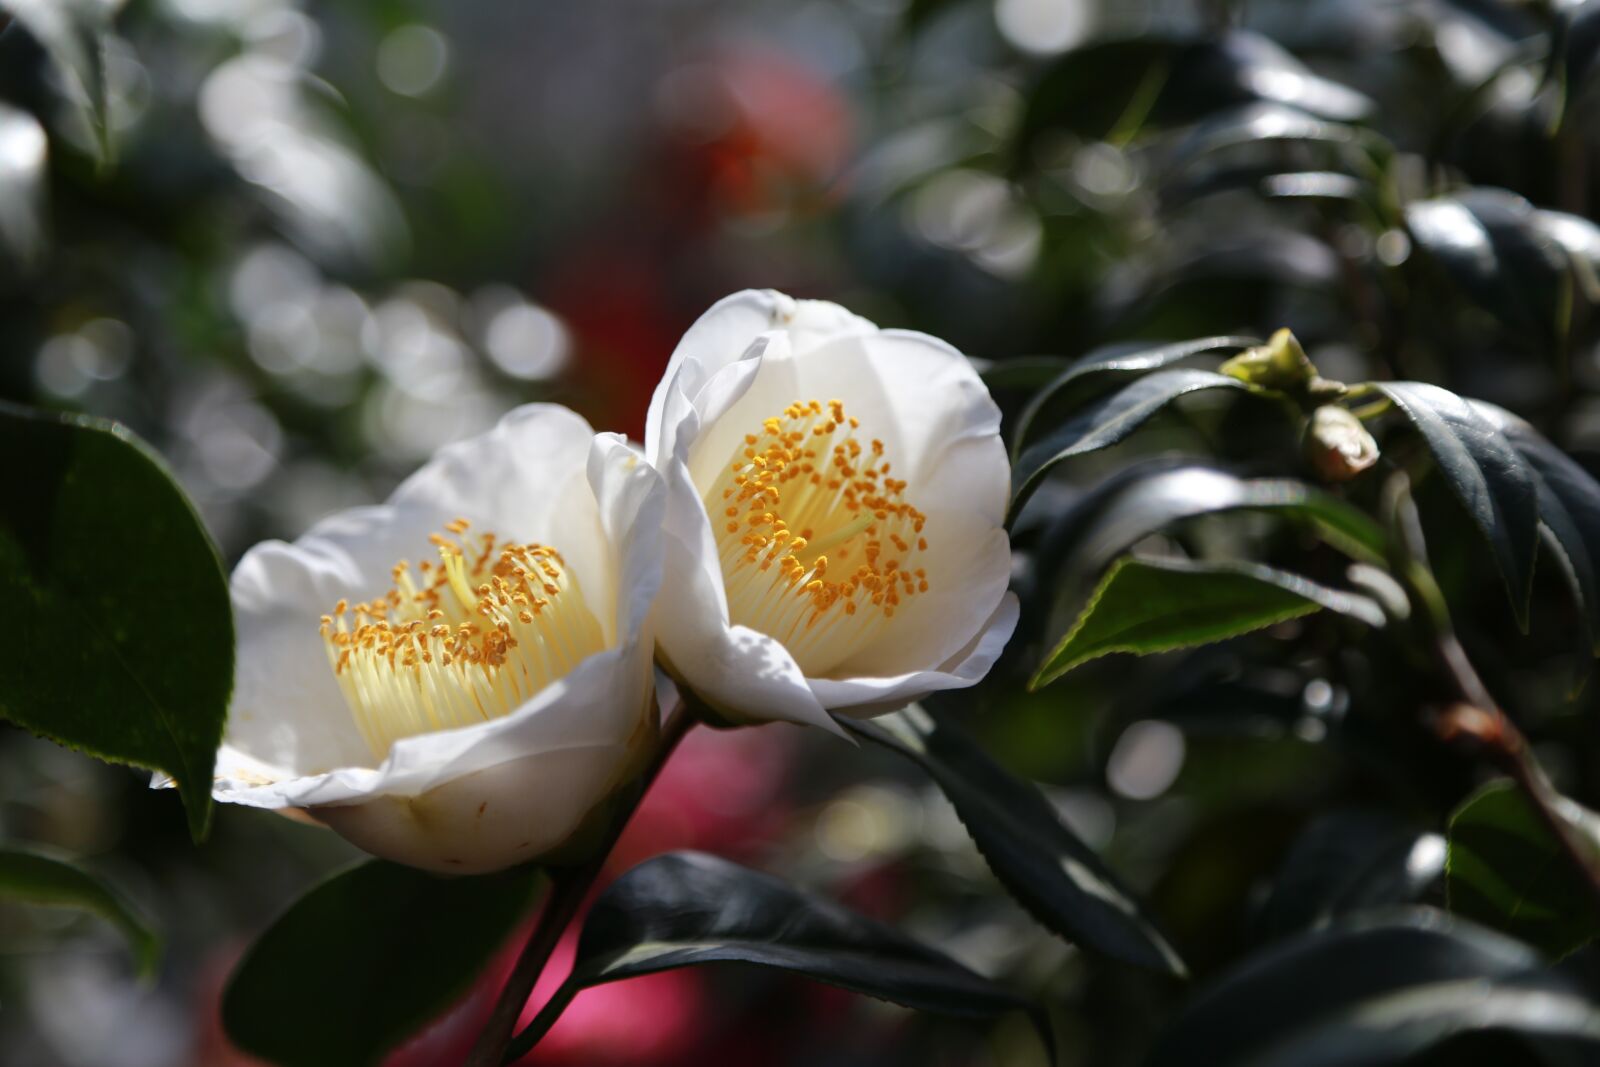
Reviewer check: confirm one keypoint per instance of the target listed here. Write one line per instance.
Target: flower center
(817, 542)
(474, 638)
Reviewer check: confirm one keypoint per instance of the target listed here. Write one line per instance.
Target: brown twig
(1476, 717)
(568, 890)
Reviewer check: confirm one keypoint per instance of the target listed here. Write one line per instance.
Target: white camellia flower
(469, 711)
(836, 498)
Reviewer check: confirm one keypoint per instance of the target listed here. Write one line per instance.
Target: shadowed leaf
(1506, 870)
(683, 909)
(1377, 990)
(1490, 478)
(366, 959)
(122, 639)
(1060, 880)
(33, 878)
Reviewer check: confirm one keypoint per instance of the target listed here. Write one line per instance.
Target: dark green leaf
(1579, 238)
(1569, 507)
(1498, 250)
(122, 635)
(1059, 879)
(1255, 124)
(1490, 478)
(365, 959)
(21, 184)
(1107, 367)
(1150, 605)
(1375, 991)
(1506, 870)
(1269, 179)
(1144, 505)
(688, 908)
(1108, 90)
(1107, 420)
(1577, 42)
(73, 32)
(38, 879)
(1349, 861)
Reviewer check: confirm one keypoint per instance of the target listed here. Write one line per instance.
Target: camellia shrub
(1294, 462)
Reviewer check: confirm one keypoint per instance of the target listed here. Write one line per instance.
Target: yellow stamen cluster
(816, 538)
(468, 641)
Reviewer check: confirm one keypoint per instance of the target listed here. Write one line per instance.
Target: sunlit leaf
(366, 959)
(1143, 502)
(1496, 248)
(1507, 870)
(1064, 885)
(1107, 420)
(1104, 368)
(22, 159)
(1256, 124)
(121, 634)
(1150, 605)
(33, 878)
(72, 32)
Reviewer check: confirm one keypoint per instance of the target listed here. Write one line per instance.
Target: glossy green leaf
(1256, 124)
(1376, 990)
(1060, 880)
(1144, 503)
(1507, 870)
(72, 32)
(1107, 420)
(1497, 249)
(683, 909)
(1269, 179)
(121, 639)
(23, 149)
(1348, 861)
(1110, 89)
(366, 959)
(1104, 368)
(1157, 605)
(33, 878)
(1575, 45)
(1569, 509)
(1486, 473)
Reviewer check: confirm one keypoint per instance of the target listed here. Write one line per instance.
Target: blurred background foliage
(304, 243)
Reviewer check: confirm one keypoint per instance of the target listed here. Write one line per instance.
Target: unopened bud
(1337, 445)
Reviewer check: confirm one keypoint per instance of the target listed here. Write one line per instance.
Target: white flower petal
(724, 333)
(940, 429)
(863, 697)
(483, 796)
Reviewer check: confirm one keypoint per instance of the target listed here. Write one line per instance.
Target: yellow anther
(423, 663)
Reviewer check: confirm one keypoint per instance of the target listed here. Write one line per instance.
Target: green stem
(569, 888)
(1372, 410)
